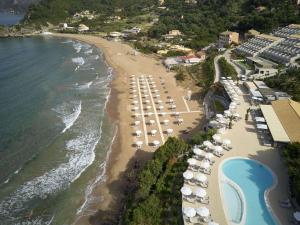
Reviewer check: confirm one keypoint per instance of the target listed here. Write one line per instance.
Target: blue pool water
(253, 179)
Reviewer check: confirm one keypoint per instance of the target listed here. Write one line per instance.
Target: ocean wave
(77, 46)
(80, 156)
(84, 86)
(89, 51)
(69, 113)
(67, 41)
(78, 60)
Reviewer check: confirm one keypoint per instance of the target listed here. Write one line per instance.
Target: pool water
(252, 179)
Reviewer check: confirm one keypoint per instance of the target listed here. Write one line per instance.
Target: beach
(124, 154)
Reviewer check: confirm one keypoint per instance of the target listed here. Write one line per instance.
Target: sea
(8, 19)
(55, 134)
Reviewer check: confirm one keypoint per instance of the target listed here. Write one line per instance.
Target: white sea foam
(78, 60)
(85, 86)
(89, 51)
(81, 155)
(77, 46)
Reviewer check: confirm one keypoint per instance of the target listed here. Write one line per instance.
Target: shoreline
(124, 156)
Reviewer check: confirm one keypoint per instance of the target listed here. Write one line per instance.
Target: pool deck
(246, 143)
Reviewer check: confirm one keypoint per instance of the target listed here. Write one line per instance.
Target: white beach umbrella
(169, 131)
(218, 149)
(138, 132)
(232, 103)
(153, 132)
(135, 102)
(137, 123)
(232, 107)
(173, 106)
(227, 113)
(226, 141)
(200, 177)
(139, 143)
(180, 120)
(204, 164)
(135, 108)
(207, 144)
(209, 156)
(166, 122)
(148, 107)
(159, 101)
(297, 216)
(198, 151)
(160, 107)
(186, 190)
(157, 96)
(176, 114)
(200, 192)
(162, 113)
(155, 90)
(156, 143)
(133, 91)
(151, 122)
(213, 123)
(146, 96)
(146, 101)
(192, 161)
(188, 175)
(171, 100)
(216, 137)
(189, 212)
(212, 223)
(136, 115)
(219, 116)
(203, 211)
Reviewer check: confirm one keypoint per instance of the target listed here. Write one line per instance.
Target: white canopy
(163, 113)
(156, 142)
(218, 149)
(192, 161)
(226, 141)
(262, 126)
(147, 101)
(209, 156)
(151, 121)
(166, 121)
(137, 122)
(200, 192)
(188, 175)
(204, 164)
(297, 216)
(203, 211)
(227, 113)
(236, 115)
(160, 107)
(139, 143)
(216, 137)
(207, 143)
(200, 177)
(153, 131)
(148, 107)
(219, 115)
(260, 119)
(198, 151)
(186, 190)
(169, 131)
(189, 212)
(138, 132)
(135, 102)
(135, 108)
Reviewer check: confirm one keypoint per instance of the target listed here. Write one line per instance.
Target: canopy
(226, 142)
(186, 190)
(203, 211)
(169, 131)
(198, 151)
(156, 142)
(236, 115)
(260, 119)
(138, 132)
(200, 177)
(139, 143)
(189, 212)
(216, 137)
(151, 121)
(153, 131)
(218, 149)
(200, 192)
(166, 121)
(227, 113)
(297, 216)
(188, 175)
(219, 115)
(262, 126)
(135, 102)
(192, 161)
(207, 143)
(137, 122)
(209, 156)
(204, 165)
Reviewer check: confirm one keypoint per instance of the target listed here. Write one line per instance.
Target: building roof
(269, 37)
(253, 32)
(277, 130)
(261, 62)
(267, 91)
(227, 32)
(288, 112)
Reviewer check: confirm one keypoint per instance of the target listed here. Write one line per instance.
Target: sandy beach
(142, 80)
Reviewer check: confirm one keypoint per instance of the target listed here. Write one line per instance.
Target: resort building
(261, 68)
(283, 120)
(287, 31)
(251, 34)
(228, 38)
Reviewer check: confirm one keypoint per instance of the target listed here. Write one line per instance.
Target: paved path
(217, 68)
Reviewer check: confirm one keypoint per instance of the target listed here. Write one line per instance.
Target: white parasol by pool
(186, 190)
(218, 149)
(226, 141)
(297, 216)
(209, 156)
(200, 192)
(204, 164)
(169, 131)
(216, 137)
(203, 211)
(198, 151)
(151, 122)
(219, 116)
(153, 132)
(200, 177)
(192, 161)
(135, 102)
(188, 175)
(189, 212)
(212, 223)
(135, 108)
(207, 144)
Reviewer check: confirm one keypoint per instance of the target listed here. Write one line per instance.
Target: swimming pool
(244, 183)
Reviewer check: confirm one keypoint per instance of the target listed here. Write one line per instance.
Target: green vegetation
(156, 198)
(288, 82)
(173, 53)
(292, 159)
(227, 70)
(219, 107)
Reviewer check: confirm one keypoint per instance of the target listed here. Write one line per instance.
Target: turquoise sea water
(253, 180)
(54, 132)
